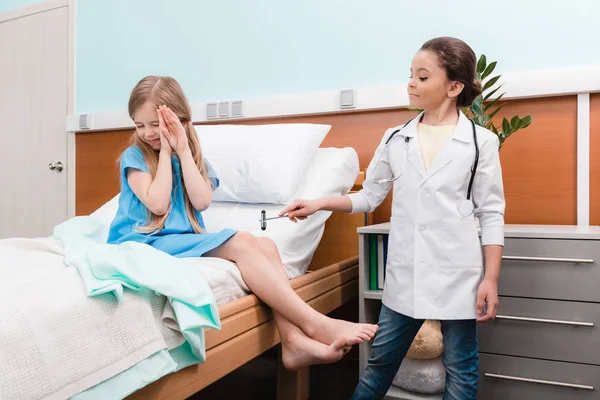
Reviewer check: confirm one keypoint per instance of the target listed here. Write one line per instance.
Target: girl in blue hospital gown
(166, 184)
(177, 237)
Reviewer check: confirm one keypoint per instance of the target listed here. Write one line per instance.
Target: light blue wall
(229, 49)
(7, 5)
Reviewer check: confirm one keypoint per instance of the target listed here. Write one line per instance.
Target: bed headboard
(539, 163)
(97, 170)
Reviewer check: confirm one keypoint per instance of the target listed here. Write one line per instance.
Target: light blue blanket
(108, 268)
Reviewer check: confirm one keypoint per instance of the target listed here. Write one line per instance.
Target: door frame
(44, 6)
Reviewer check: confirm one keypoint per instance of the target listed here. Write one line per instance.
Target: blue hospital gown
(177, 238)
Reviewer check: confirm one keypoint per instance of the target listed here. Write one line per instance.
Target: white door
(33, 110)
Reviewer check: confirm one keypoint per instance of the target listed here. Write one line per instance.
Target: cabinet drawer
(515, 378)
(548, 329)
(551, 268)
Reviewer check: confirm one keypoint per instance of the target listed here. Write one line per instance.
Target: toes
(364, 337)
(370, 330)
(369, 333)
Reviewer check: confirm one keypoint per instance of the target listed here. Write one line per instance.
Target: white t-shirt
(431, 141)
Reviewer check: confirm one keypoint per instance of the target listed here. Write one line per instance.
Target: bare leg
(244, 250)
(270, 250)
(298, 350)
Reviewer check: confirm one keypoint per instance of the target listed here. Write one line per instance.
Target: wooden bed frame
(247, 326)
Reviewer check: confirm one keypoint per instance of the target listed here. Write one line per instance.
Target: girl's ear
(454, 88)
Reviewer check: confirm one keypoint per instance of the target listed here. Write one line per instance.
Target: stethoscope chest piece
(466, 208)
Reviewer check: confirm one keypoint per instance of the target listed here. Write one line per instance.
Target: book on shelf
(378, 248)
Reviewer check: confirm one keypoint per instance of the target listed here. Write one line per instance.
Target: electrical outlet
(348, 98)
(85, 121)
(211, 111)
(237, 108)
(223, 109)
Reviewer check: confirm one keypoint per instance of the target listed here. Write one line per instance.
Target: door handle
(546, 259)
(546, 321)
(543, 382)
(56, 166)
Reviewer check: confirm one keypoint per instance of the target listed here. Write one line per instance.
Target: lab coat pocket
(396, 239)
(461, 245)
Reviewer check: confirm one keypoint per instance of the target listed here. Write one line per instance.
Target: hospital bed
(247, 328)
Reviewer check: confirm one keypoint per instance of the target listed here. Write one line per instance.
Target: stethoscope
(465, 207)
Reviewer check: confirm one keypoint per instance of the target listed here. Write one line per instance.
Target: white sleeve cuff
(492, 235)
(359, 203)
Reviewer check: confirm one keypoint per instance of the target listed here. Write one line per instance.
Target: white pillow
(331, 172)
(108, 211)
(259, 163)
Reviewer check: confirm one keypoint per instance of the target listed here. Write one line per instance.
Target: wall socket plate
(225, 109)
(211, 111)
(85, 121)
(348, 98)
(237, 108)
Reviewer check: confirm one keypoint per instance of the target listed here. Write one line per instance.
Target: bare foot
(301, 351)
(328, 330)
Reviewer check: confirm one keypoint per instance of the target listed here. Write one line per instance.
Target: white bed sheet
(55, 341)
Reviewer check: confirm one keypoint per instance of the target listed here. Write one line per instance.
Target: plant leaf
(514, 122)
(525, 121)
(477, 106)
(496, 100)
(488, 70)
(481, 64)
(476, 109)
(491, 82)
(495, 111)
(505, 126)
(490, 94)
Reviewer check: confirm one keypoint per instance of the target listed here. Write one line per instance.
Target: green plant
(481, 110)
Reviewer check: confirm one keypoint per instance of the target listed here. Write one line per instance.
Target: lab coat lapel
(462, 133)
(414, 155)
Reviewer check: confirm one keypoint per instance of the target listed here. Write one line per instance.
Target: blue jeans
(395, 335)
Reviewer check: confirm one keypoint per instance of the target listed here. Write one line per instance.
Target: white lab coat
(435, 263)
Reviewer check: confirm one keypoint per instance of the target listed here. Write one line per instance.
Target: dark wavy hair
(459, 62)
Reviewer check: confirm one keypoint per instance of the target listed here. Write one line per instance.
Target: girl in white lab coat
(435, 267)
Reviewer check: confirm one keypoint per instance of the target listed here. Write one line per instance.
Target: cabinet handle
(546, 321)
(550, 259)
(518, 378)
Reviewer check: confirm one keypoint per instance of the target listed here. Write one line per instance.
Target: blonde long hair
(164, 90)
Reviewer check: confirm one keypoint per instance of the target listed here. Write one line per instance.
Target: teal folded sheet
(107, 268)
